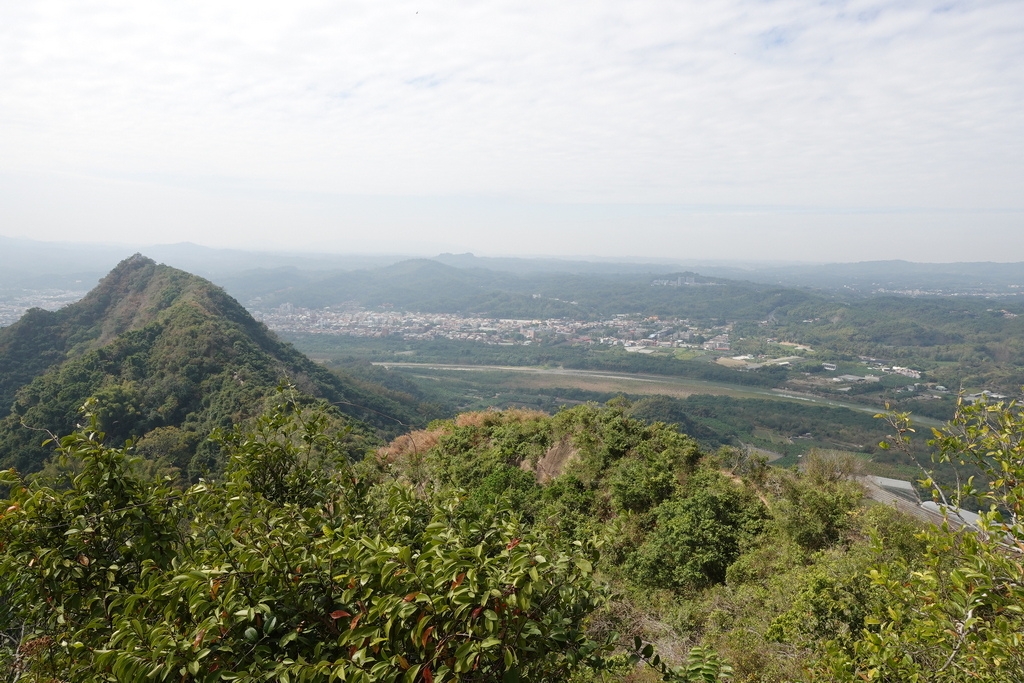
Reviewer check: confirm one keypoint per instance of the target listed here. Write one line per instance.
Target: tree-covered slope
(586, 546)
(430, 286)
(784, 573)
(133, 294)
(168, 355)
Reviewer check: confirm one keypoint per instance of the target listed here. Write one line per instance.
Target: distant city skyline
(852, 130)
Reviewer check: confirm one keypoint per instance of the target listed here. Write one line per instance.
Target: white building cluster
(634, 333)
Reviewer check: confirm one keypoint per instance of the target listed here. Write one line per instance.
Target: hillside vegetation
(169, 357)
(512, 546)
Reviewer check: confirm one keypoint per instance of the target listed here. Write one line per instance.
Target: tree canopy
(504, 545)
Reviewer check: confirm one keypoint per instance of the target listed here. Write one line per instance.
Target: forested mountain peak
(137, 290)
(135, 293)
(169, 355)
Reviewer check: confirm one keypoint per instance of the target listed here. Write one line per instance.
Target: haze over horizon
(729, 129)
(165, 252)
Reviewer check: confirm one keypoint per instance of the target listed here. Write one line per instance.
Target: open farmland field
(555, 378)
(502, 378)
(611, 384)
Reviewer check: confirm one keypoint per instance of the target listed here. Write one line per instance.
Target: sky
(703, 129)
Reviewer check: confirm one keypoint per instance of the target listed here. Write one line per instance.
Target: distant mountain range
(31, 263)
(247, 274)
(430, 286)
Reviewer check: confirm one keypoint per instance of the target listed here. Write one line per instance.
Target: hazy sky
(828, 131)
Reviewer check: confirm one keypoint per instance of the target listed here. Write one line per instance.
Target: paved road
(878, 494)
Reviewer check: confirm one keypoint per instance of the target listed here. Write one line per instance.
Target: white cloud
(226, 109)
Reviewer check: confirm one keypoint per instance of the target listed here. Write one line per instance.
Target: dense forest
(169, 357)
(584, 546)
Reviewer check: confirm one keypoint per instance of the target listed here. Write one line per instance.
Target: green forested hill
(169, 356)
(418, 284)
(430, 286)
(958, 341)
